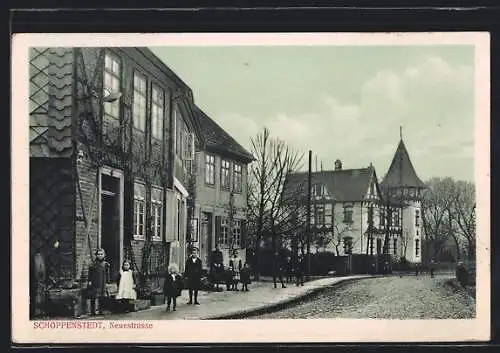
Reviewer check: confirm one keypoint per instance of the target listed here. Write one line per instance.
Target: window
(395, 246)
(226, 231)
(417, 218)
(111, 84)
(417, 247)
(238, 178)
(180, 133)
(139, 210)
(156, 212)
(157, 112)
(139, 101)
(416, 232)
(396, 218)
(210, 169)
(320, 215)
(224, 237)
(348, 214)
(347, 245)
(237, 233)
(318, 190)
(379, 245)
(224, 175)
(382, 217)
(389, 217)
(370, 215)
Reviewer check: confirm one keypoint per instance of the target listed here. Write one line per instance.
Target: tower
(402, 189)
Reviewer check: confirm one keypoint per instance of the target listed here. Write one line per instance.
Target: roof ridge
(244, 152)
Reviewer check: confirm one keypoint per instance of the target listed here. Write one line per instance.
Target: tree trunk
(256, 258)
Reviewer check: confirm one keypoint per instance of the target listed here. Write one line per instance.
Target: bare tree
(449, 211)
(436, 217)
(270, 208)
(463, 213)
(405, 240)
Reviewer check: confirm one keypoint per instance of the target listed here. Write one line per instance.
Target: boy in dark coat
(98, 277)
(245, 277)
(193, 273)
(172, 287)
(300, 269)
(278, 270)
(289, 269)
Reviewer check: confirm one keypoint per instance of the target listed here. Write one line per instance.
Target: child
(98, 277)
(172, 286)
(126, 283)
(232, 284)
(245, 277)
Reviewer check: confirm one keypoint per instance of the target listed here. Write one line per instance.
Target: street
(408, 297)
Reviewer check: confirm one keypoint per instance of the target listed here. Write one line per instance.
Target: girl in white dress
(126, 283)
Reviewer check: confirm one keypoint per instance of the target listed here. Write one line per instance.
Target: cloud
(431, 98)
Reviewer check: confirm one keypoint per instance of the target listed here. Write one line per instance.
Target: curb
(279, 305)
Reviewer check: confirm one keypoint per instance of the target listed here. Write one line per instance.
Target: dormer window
(317, 190)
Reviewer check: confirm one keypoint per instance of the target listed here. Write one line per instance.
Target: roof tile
(217, 139)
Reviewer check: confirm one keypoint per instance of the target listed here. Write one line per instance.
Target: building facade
(403, 189)
(345, 213)
(351, 213)
(221, 193)
(112, 141)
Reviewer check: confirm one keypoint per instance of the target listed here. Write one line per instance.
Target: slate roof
(216, 139)
(401, 173)
(343, 185)
(50, 131)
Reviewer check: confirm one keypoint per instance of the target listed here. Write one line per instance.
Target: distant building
(221, 192)
(351, 213)
(402, 188)
(343, 202)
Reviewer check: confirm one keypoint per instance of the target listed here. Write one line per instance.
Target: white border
(320, 330)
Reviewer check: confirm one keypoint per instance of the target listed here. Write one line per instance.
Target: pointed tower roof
(401, 172)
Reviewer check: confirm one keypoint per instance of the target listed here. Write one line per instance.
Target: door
(110, 232)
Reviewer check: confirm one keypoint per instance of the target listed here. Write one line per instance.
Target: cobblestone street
(392, 297)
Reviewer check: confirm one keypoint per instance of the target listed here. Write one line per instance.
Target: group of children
(127, 282)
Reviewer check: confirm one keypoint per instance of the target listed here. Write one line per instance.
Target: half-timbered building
(112, 144)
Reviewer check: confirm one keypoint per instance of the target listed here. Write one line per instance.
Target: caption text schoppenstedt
(89, 325)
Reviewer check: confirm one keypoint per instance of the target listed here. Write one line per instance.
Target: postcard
(287, 187)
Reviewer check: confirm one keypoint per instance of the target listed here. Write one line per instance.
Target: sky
(342, 102)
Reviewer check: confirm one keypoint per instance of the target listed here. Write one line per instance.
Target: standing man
(289, 269)
(193, 272)
(217, 265)
(278, 270)
(432, 267)
(300, 270)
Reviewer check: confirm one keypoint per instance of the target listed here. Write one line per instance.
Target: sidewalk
(230, 304)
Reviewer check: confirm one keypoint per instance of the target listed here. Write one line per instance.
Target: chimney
(338, 165)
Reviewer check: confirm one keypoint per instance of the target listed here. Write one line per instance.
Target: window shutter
(218, 228)
(243, 234)
(188, 146)
(194, 165)
(170, 231)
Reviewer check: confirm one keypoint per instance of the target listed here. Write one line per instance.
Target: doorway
(111, 220)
